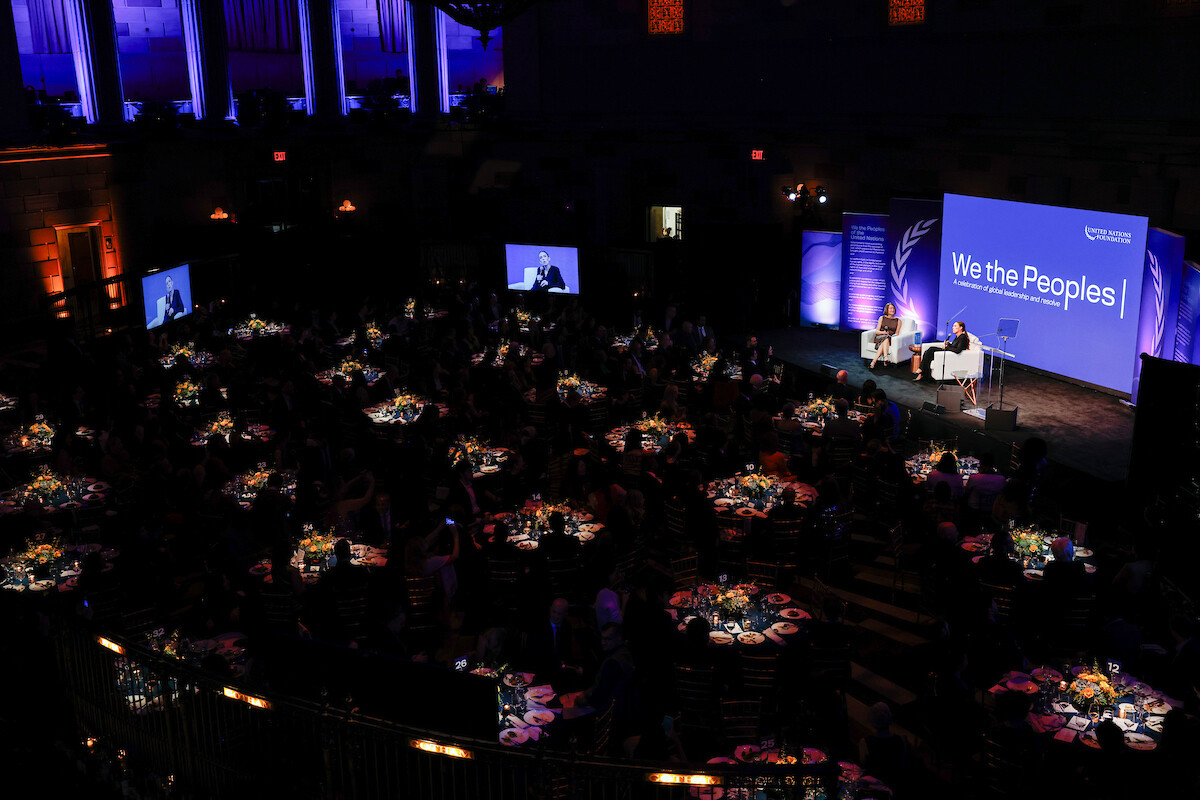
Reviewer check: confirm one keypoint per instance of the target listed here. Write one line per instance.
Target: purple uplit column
(428, 76)
(206, 43)
(321, 49)
(93, 38)
(14, 122)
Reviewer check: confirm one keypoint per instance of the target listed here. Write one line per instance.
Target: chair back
(686, 571)
(764, 573)
(740, 721)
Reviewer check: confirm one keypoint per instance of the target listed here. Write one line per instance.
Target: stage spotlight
(789, 193)
(822, 195)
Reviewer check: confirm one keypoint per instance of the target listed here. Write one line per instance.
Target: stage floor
(1086, 430)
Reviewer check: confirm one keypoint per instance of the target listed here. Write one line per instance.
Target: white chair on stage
(899, 352)
(527, 283)
(965, 368)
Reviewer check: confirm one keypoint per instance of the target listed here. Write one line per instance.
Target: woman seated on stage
(887, 327)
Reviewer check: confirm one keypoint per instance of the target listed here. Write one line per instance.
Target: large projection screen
(1072, 277)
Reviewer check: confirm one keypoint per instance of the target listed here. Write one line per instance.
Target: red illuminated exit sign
(757, 155)
(280, 155)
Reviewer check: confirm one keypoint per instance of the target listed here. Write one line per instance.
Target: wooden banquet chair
(740, 721)
(686, 571)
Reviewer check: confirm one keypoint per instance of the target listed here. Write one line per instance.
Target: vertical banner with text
(1189, 315)
(1160, 299)
(864, 269)
(914, 261)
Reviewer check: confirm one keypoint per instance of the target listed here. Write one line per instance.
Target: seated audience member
(614, 684)
(883, 753)
(550, 646)
(840, 388)
(946, 472)
(841, 428)
(1064, 576)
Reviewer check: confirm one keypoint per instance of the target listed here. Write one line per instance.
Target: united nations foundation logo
(1107, 235)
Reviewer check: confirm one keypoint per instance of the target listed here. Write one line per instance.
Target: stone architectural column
(93, 36)
(206, 43)
(425, 27)
(321, 49)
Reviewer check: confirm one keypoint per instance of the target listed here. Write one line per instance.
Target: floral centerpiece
(1093, 686)
(470, 449)
(536, 518)
(170, 644)
(258, 479)
(316, 545)
(705, 363)
(374, 335)
(41, 432)
(733, 601)
(255, 325)
(655, 426)
(525, 317)
(755, 485)
(821, 406)
(407, 403)
(187, 393)
(568, 381)
(187, 350)
(410, 307)
(45, 485)
(1029, 543)
(349, 366)
(222, 425)
(38, 553)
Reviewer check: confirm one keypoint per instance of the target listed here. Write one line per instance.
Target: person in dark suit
(548, 276)
(955, 343)
(550, 647)
(174, 301)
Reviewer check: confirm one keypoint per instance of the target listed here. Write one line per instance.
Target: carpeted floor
(1086, 430)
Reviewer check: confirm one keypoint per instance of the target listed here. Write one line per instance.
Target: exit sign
(756, 155)
(280, 155)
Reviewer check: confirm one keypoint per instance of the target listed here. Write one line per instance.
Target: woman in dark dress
(888, 326)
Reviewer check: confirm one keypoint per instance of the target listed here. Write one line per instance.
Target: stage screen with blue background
(161, 306)
(1072, 277)
(521, 261)
(864, 270)
(820, 277)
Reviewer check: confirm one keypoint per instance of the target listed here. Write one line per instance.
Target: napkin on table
(1079, 723)
(1065, 708)
(1065, 735)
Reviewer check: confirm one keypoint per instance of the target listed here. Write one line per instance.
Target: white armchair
(945, 363)
(899, 351)
(527, 284)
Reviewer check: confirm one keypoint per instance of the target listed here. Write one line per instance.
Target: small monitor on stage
(1008, 328)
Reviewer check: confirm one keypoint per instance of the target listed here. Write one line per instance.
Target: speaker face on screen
(167, 295)
(542, 268)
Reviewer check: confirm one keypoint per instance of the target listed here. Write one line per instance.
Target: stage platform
(1086, 430)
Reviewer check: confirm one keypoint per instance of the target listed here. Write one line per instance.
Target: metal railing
(221, 739)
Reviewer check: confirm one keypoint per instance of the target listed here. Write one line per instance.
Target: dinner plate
(784, 628)
(973, 547)
(1045, 674)
(778, 598)
(1033, 574)
(723, 501)
(1021, 685)
(721, 637)
(93, 496)
(71, 582)
(1090, 569)
(1154, 723)
(747, 753)
(513, 736)
(1083, 552)
(1089, 739)
(751, 637)
(976, 559)
(207, 645)
(795, 613)
(814, 756)
(590, 527)
(488, 469)
(516, 680)
(746, 512)
(70, 504)
(584, 536)
(583, 516)
(1157, 707)
(539, 716)
(540, 695)
(41, 586)
(1139, 741)
(850, 771)
(1051, 722)
(527, 544)
(680, 599)
(1079, 670)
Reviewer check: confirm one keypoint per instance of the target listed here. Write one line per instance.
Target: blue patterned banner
(1189, 315)
(820, 277)
(1160, 299)
(914, 261)
(864, 270)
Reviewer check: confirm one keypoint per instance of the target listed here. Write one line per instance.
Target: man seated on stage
(955, 343)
